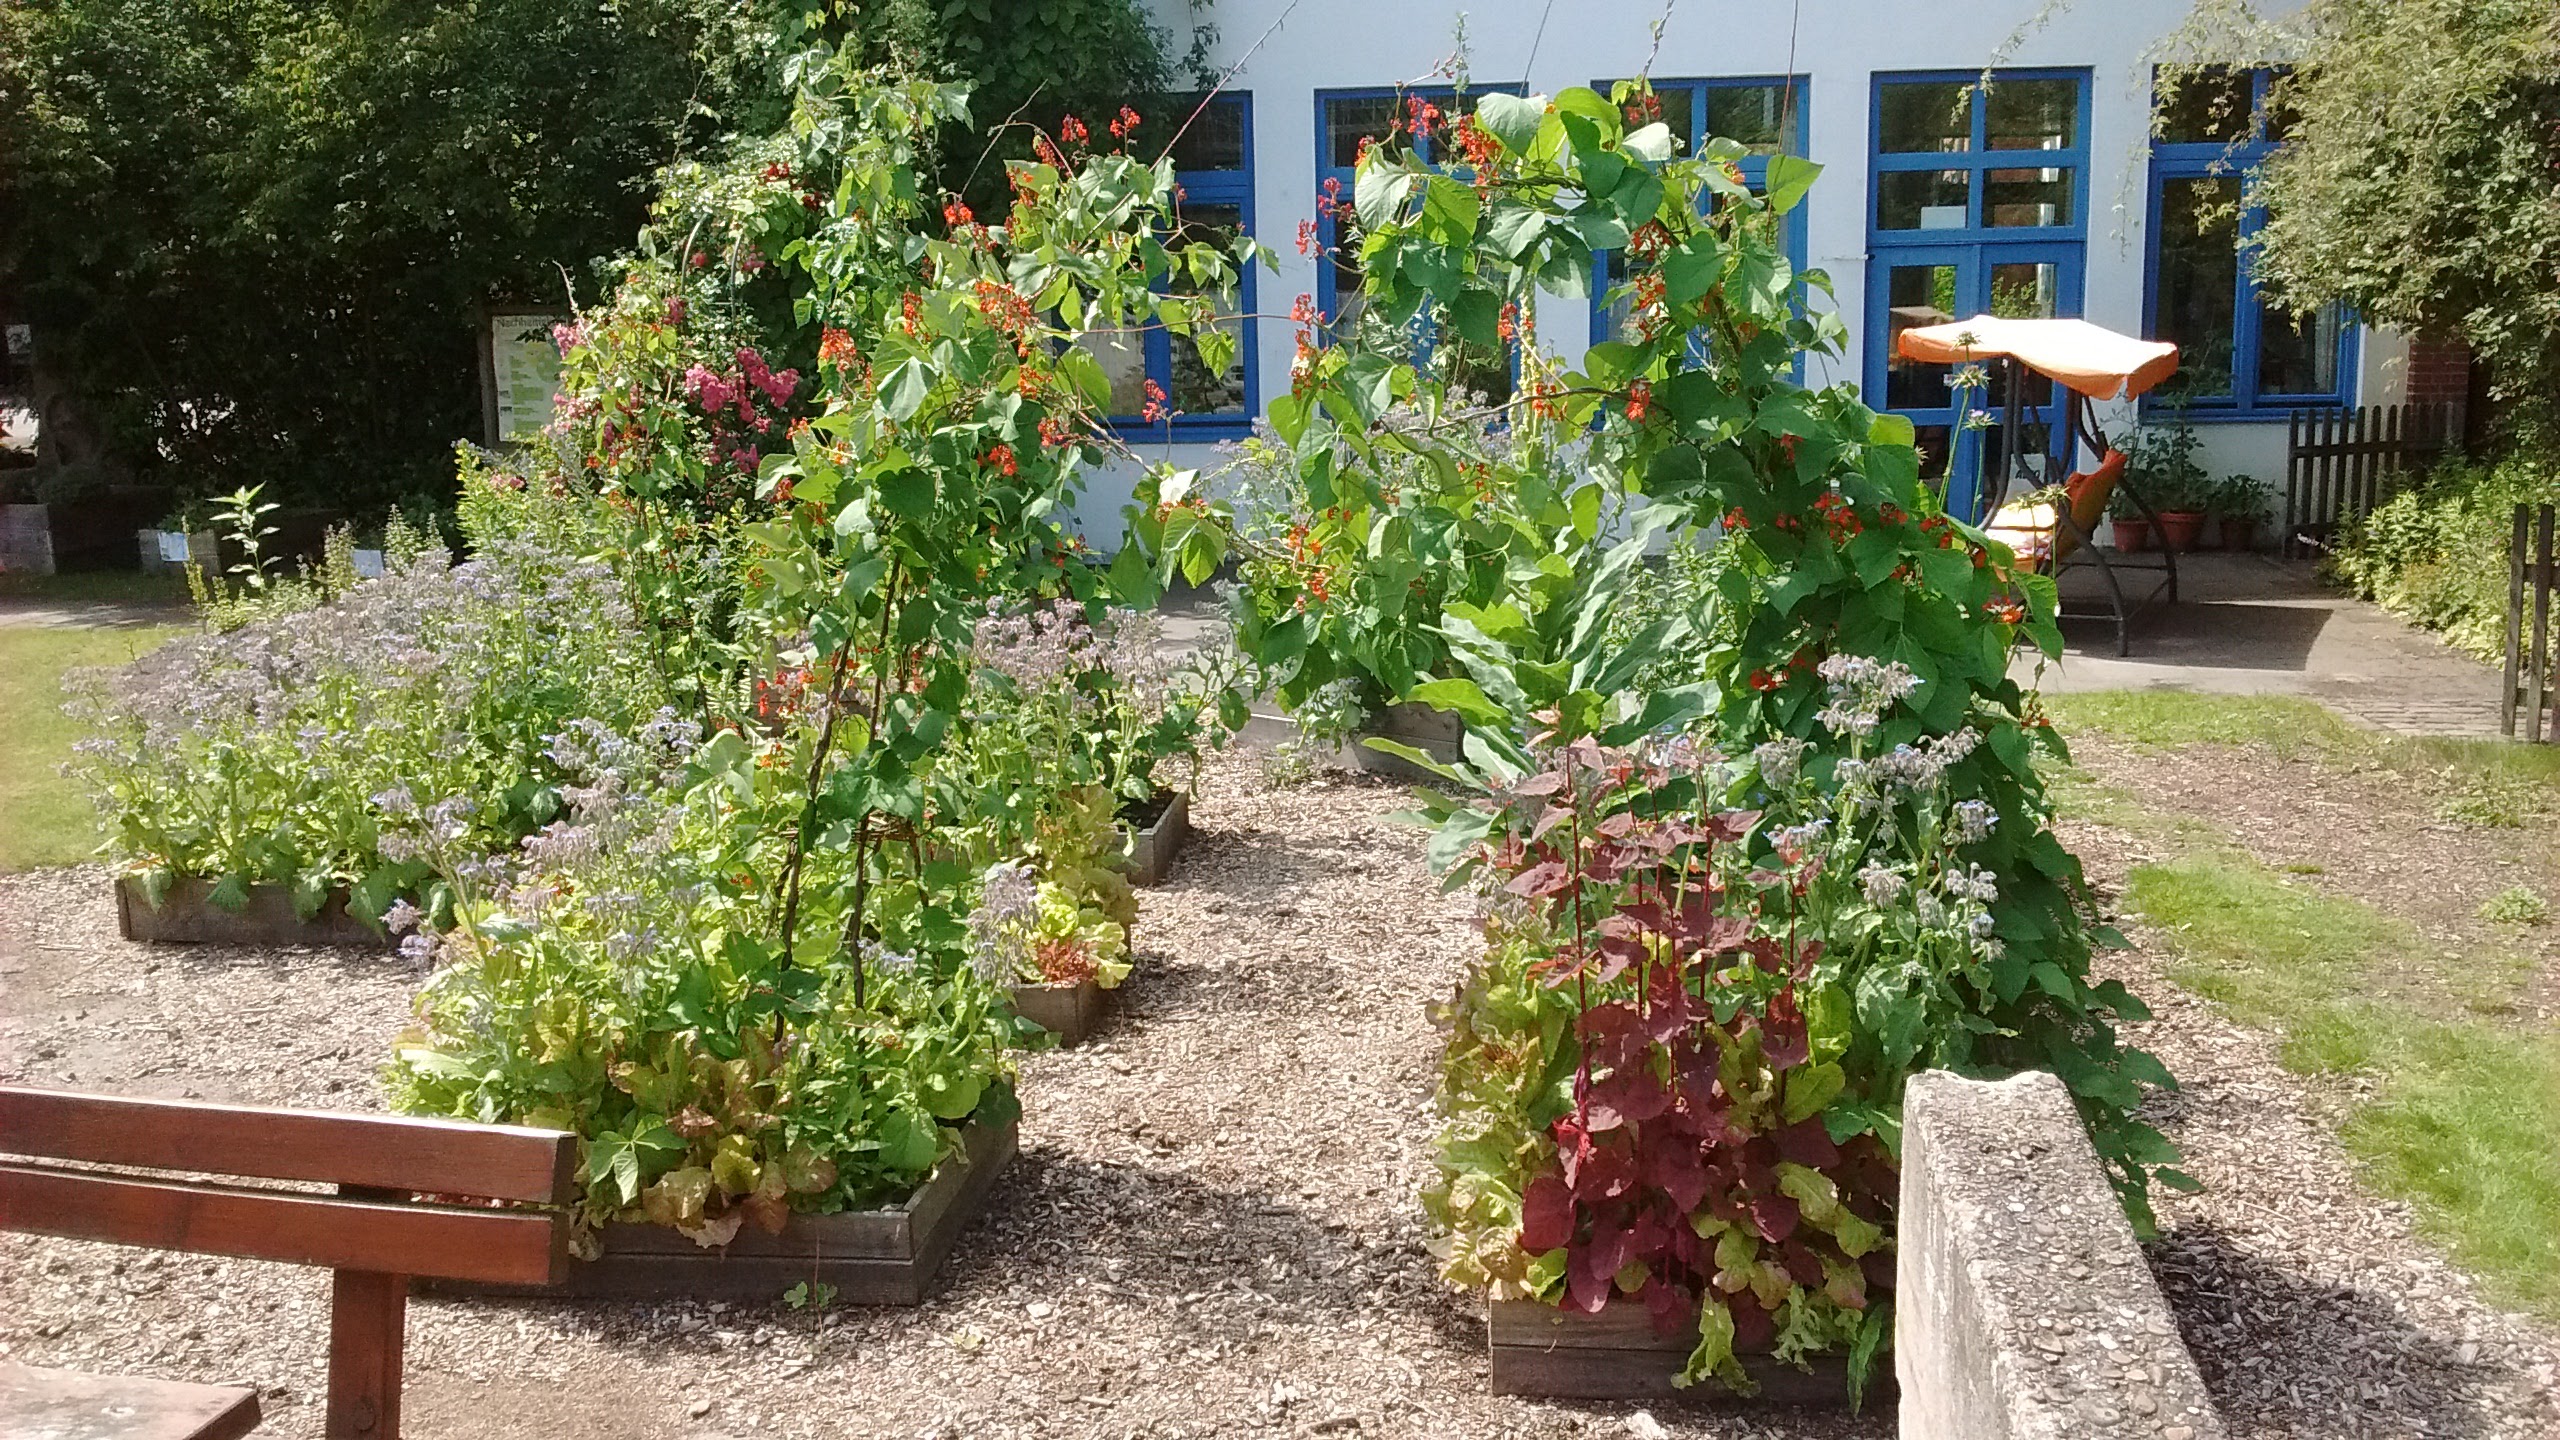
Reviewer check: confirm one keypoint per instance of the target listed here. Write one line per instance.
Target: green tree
(255, 235)
(2420, 178)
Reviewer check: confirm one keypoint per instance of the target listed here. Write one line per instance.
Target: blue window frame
(1977, 203)
(1764, 112)
(1344, 119)
(2239, 358)
(1213, 165)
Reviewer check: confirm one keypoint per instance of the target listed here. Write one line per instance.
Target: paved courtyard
(2254, 625)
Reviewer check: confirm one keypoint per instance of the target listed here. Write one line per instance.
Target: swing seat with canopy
(2091, 363)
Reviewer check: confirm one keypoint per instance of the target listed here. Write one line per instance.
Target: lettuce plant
(614, 977)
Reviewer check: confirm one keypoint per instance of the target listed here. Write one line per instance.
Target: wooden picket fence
(2340, 464)
(2531, 692)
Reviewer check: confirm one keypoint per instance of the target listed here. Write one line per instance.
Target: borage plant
(251, 755)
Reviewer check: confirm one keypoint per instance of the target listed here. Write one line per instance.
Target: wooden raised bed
(1436, 733)
(871, 1257)
(1539, 1349)
(1070, 1012)
(1151, 849)
(185, 916)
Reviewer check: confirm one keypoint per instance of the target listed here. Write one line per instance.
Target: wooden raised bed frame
(185, 916)
(1151, 850)
(1070, 1012)
(1540, 1349)
(871, 1257)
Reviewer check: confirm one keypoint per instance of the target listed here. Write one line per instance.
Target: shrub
(2436, 553)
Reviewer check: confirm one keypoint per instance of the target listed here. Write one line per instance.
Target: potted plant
(2161, 464)
(2242, 504)
(2132, 528)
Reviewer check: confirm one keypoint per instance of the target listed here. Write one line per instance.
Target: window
(2238, 355)
(1765, 114)
(1978, 202)
(1346, 120)
(1213, 164)
(1950, 156)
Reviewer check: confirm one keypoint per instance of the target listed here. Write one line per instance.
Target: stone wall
(2024, 1309)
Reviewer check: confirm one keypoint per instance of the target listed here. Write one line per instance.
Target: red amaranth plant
(1692, 1171)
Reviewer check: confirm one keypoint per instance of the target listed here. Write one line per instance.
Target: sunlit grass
(2495, 783)
(2464, 1117)
(44, 818)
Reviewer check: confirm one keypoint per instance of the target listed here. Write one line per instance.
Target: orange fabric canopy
(2091, 359)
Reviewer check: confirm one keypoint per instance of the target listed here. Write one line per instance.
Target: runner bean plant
(1627, 881)
(838, 422)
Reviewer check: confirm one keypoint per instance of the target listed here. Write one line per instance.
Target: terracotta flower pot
(2180, 529)
(2239, 534)
(2132, 535)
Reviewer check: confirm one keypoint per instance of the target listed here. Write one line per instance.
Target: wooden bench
(373, 1232)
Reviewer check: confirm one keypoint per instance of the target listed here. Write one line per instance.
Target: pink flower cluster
(719, 396)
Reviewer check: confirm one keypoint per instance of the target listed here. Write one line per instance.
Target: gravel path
(1212, 1229)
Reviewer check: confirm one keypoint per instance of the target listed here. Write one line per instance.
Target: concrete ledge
(2024, 1308)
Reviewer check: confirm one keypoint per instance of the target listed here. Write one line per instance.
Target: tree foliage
(255, 237)
(2420, 178)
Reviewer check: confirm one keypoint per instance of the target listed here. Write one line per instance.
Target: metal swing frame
(2080, 426)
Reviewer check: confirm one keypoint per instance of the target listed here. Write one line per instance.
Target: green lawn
(2482, 782)
(125, 586)
(2463, 1117)
(44, 819)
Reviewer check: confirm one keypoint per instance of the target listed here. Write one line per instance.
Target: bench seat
(39, 1404)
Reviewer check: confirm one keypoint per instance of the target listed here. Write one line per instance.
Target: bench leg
(368, 1321)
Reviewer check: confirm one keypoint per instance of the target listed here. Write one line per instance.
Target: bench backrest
(382, 1161)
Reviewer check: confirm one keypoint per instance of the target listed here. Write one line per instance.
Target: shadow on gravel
(2284, 1354)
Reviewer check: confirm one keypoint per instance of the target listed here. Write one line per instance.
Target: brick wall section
(2439, 372)
(2023, 1309)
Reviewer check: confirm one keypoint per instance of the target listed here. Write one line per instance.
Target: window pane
(1345, 261)
(1762, 117)
(1348, 122)
(2033, 115)
(1215, 140)
(1196, 389)
(2297, 354)
(1124, 364)
(2199, 278)
(1922, 199)
(2207, 108)
(1916, 295)
(1926, 115)
(1619, 301)
(2012, 198)
(1477, 370)
(1933, 444)
(2281, 113)
(1676, 106)
(2024, 291)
